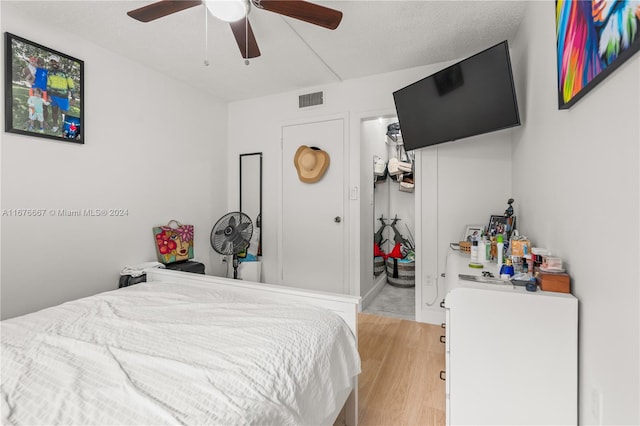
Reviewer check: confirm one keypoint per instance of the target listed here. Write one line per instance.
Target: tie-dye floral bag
(174, 242)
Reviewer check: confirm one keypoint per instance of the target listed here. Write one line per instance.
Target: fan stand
(235, 264)
(231, 235)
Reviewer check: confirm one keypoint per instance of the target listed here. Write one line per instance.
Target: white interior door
(313, 227)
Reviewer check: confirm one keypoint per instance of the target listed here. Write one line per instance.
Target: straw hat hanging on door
(311, 163)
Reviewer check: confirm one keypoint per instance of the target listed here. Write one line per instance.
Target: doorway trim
(357, 211)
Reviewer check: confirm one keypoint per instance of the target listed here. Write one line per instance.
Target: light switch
(353, 194)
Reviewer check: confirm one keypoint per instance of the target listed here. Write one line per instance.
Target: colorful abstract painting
(593, 39)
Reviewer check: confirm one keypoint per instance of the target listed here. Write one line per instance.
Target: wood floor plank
(373, 332)
(399, 383)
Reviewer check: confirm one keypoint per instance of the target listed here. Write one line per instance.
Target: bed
(184, 349)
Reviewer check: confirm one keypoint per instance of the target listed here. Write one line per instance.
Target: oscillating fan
(231, 235)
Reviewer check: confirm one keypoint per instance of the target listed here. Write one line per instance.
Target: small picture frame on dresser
(472, 232)
(501, 225)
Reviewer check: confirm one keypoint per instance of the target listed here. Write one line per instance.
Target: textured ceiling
(374, 37)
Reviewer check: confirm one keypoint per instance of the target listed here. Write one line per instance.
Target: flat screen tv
(471, 97)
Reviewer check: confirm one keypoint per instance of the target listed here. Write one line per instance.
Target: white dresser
(511, 354)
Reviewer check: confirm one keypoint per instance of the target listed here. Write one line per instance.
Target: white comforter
(160, 353)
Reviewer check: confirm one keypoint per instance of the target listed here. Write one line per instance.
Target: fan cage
(232, 233)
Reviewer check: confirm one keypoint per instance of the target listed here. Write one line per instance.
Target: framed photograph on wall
(593, 39)
(44, 92)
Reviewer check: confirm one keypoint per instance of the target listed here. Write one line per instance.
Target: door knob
(337, 219)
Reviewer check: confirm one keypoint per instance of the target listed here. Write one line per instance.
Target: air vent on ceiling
(310, 99)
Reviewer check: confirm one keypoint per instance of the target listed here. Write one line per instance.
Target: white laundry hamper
(250, 271)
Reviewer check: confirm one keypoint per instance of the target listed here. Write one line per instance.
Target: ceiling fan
(235, 12)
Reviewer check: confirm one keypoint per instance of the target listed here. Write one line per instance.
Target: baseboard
(371, 294)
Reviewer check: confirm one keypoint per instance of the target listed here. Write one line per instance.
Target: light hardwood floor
(401, 363)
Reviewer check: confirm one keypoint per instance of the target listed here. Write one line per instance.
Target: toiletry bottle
(525, 259)
(481, 251)
(516, 261)
(474, 251)
(506, 270)
(487, 250)
(500, 250)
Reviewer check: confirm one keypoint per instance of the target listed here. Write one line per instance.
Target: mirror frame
(259, 217)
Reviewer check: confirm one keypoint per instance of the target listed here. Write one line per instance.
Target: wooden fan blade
(243, 39)
(304, 11)
(161, 8)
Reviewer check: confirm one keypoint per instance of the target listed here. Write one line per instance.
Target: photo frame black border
(495, 219)
(10, 126)
(624, 55)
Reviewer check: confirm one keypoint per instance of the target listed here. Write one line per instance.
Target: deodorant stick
(500, 250)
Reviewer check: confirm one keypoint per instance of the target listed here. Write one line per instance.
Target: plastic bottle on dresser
(484, 248)
(500, 250)
(525, 260)
(474, 250)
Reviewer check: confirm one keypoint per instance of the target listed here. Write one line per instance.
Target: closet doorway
(387, 282)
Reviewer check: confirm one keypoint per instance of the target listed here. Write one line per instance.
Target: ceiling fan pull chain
(246, 38)
(206, 38)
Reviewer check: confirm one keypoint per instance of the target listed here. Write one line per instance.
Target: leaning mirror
(251, 191)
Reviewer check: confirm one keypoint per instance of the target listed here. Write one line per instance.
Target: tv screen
(471, 97)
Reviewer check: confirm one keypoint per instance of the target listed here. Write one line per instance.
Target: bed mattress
(163, 353)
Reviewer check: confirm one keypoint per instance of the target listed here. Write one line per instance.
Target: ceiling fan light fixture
(228, 10)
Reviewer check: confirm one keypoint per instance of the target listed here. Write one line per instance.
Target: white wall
(254, 126)
(460, 183)
(575, 174)
(154, 147)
